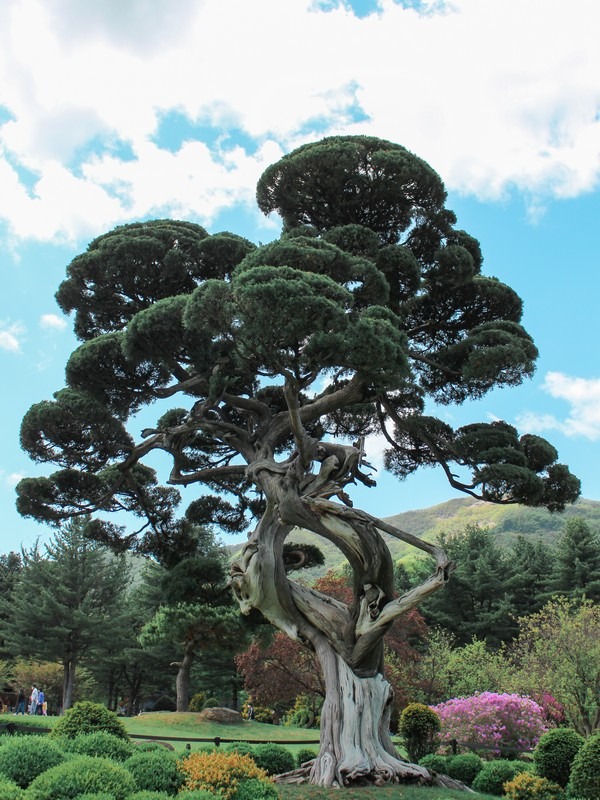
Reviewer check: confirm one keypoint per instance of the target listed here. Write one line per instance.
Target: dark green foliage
(156, 771)
(585, 772)
(23, 758)
(419, 726)
(189, 794)
(88, 717)
(493, 776)
(465, 767)
(577, 565)
(82, 775)
(554, 754)
(254, 789)
(273, 758)
(304, 755)
(103, 744)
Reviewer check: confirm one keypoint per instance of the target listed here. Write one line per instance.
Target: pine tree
(577, 570)
(66, 603)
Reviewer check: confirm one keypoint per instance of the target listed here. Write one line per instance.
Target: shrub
(527, 786)
(156, 771)
(211, 702)
(495, 774)
(585, 772)
(148, 747)
(465, 767)
(555, 752)
(304, 755)
(146, 795)
(197, 701)
(195, 794)
(97, 796)
(102, 744)
(88, 717)
(273, 758)
(23, 758)
(502, 721)
(82, 775)
(219, 772)
(244, 748)
(255, 790)
(419, 725)
(435, 762)
(9, 790)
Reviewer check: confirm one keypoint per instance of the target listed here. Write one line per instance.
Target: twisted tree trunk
(348, 640)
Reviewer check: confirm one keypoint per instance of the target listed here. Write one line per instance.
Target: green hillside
(507, 522)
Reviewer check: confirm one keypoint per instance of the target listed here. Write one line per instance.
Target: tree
(64, 605)
(195, 612)
(577, 563)
(558, 651)
(282, 358)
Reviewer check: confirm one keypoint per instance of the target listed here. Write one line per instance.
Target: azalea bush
(502, 724)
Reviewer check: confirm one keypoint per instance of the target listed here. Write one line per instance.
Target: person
(250, 711)
(20, 709)
(41, 701)
(33, 700)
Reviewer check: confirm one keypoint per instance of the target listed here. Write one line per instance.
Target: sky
(123, 110)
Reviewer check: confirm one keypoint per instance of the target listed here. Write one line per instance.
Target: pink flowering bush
(500, 723)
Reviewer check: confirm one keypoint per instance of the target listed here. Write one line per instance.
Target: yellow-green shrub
(219, 772)
(528, 786)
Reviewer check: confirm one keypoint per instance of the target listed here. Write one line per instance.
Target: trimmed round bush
(435, 762)
(146, 795)
(528, 786)
(101, 744)
(304, 755)
(148, 747)
(97, 796)
(419, 725)
(195, 794)
(465, 767)
(82, 775)
(88, 717)
(9, 790)
(219, 772)
(555, 752)
(156, 771)
(495, 774)
(585, 772)
(244, 748)
(255, 790)
(23, 758)
(273, 758)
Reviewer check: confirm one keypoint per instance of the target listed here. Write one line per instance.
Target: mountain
(451, 518)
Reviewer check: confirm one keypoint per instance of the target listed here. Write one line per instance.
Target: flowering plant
(503, 724)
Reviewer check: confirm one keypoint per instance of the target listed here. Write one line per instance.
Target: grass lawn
(373, 793)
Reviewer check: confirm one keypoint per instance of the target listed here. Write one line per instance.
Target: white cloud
(52, 322)
(10, 336)
(496, 94)
(13, 478)
(583, 397)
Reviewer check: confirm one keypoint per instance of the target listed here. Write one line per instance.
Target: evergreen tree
(271, 365)
(577, 563)
(66, 603)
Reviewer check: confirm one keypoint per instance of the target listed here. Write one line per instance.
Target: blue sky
(122, 110)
